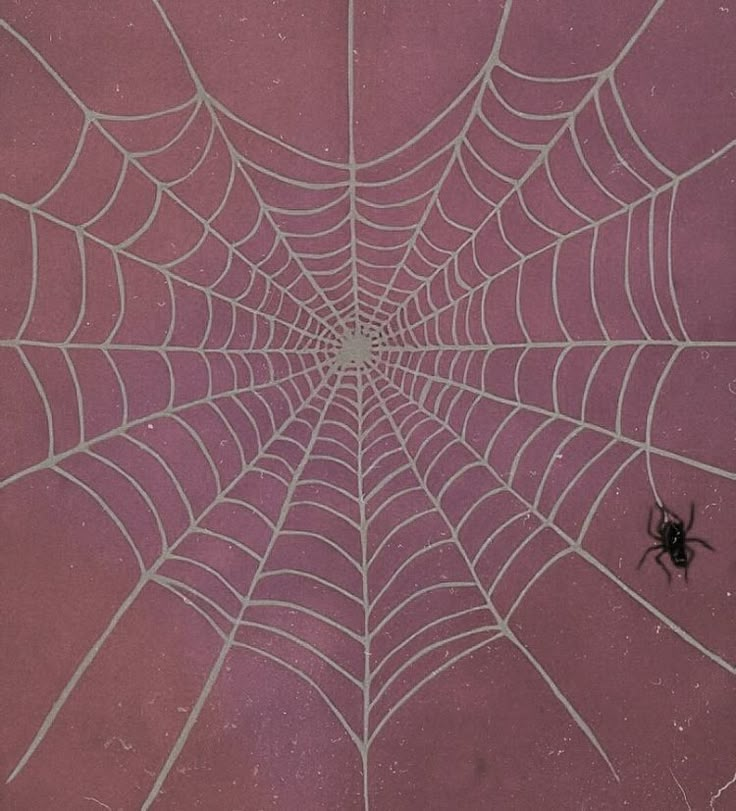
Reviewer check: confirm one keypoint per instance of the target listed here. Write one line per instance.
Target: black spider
(673, 538)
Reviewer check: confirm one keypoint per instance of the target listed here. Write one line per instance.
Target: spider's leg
(692, 517)
(700, 541)
(651, 532)
(651, 549)
(658, 558)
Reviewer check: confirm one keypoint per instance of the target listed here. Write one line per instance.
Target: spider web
(383, 399)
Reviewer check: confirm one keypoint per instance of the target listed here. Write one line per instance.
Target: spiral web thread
(374, 406)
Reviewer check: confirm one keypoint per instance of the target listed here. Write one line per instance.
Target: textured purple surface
(345, 348)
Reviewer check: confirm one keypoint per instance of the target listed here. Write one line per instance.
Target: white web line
(161, 189)
(264, 209)
(55, 459)
(581, 424)
(167, 274)
(147, 576)
(650, 196)
(360, 441)
(231, 639)
(544, 153)
(501, 623)
(392, 390)
(576, 543)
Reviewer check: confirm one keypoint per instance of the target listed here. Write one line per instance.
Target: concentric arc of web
(349, 401)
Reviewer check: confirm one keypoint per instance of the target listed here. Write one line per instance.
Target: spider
(673, 540)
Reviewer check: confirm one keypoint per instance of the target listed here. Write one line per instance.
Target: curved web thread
(469, 269)
(476, 143)
(481, 405)
(260, 376)
(473, 582)
(318, 238)
(446, 237)
(314, 419)
(208, 520)
(318, 229)
(232, 323)
(170, 203)
(254, 291)
(414, 542)
(376, 439)
(599, 462)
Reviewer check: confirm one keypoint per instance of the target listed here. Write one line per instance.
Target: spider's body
(673, 540)
(672, 534)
